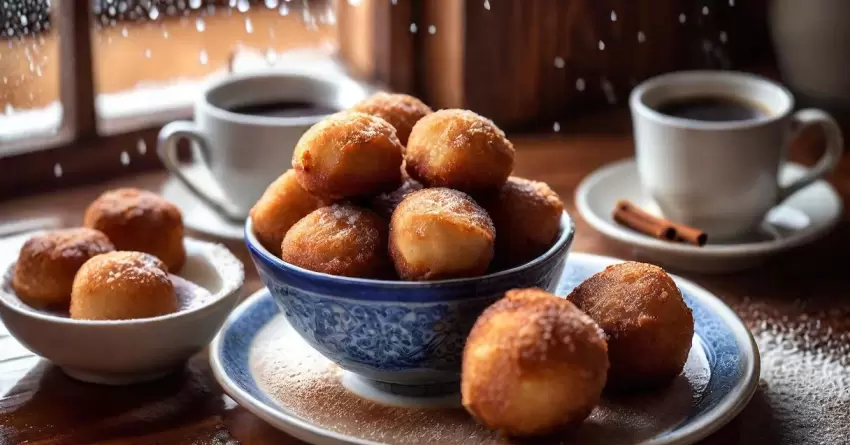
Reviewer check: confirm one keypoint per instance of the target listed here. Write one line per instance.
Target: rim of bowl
(564, 239)
(229, 268)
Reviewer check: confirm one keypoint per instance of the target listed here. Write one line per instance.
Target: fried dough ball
(48, 262)
(440, 233)
(341, 239)
(400, 110)
(386, 203)
(140, 221)
(459, 149)
(283, 203)
(349, 155)
(527, 216)
(122, 286)
(648, 325)
(533, 365)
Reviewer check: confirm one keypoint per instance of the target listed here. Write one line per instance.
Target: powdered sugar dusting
(307, 385)
(804, 392)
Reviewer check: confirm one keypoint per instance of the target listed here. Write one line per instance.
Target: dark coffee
(712, 109)
(283, 109)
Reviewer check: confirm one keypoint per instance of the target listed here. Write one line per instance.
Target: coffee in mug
(709, 146)
(712, 109)
(245, 130)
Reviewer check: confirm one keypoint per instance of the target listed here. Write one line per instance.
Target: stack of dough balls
(115, 268)
(391, 189)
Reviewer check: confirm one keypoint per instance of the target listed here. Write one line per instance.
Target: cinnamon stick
(637, 219)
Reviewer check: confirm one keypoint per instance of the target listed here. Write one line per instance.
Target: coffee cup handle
(830, 158)
(166, 149)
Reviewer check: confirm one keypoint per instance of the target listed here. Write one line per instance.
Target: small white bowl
(120, 352)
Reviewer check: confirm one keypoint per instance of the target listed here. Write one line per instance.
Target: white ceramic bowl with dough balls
(119, 352)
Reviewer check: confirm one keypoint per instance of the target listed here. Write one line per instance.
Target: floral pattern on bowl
(396, 332)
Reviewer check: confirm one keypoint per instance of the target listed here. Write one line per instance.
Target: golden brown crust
(47, 263)
(141, 221)
(459, 149)
(122, 286)
(648, 324)
(533, 364)
(527, 216)
(400, 110)
(348, 155)
(440, 233)
(283, 204)
(341, 239)
(386, 203)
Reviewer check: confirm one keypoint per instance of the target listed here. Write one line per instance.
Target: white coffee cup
(722, 176)
(244, 153)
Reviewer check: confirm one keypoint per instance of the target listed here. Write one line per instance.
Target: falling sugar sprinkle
(432, 29)
(487, 4)
(580, 84)
(243, 6)
(723, 37)
(203, 57)
(57, 170)
(682, 18)
(731, 2)
(148, 53)
(249, 27)
(556, 127)
(284, 10)
(705, 10)
(559, 62)
(125, 158)
(613, 16)
(601, 46)
(200, 25)
(641, 37)
(141, 147)
(271, 4)
(608, 89)
(413, 28)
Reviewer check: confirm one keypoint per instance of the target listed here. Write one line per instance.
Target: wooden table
(798, 307)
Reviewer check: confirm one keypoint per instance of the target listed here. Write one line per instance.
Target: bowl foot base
(113, 379)
(440, 395)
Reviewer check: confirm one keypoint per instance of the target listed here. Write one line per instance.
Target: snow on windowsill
(154, 103)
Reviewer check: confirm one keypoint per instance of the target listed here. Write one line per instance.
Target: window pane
(151, 56)
(29, 75)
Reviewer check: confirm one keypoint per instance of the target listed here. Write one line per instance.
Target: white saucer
(804, 217)
(197, 215)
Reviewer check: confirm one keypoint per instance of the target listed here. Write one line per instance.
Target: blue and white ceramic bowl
(396, 333)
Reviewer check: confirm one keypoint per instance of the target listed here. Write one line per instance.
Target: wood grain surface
(798, 307)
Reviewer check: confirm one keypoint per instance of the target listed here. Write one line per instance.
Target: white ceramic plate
(197, 215)
(267, 368)
(804, 217)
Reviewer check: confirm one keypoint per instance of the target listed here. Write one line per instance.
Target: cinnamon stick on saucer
(638, 219)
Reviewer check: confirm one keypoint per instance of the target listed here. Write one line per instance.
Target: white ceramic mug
(244, 153)
(722, 177)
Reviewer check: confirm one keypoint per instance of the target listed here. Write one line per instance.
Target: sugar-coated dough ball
(140, 221)
(386, 203)
(648, 324)
(349, 155)
(341, 239)
(459, 149)
(440, 233)
(122, 286)
(533, 365)
(283, 203)
(400, 110)
(48, 262)
(527, 216)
